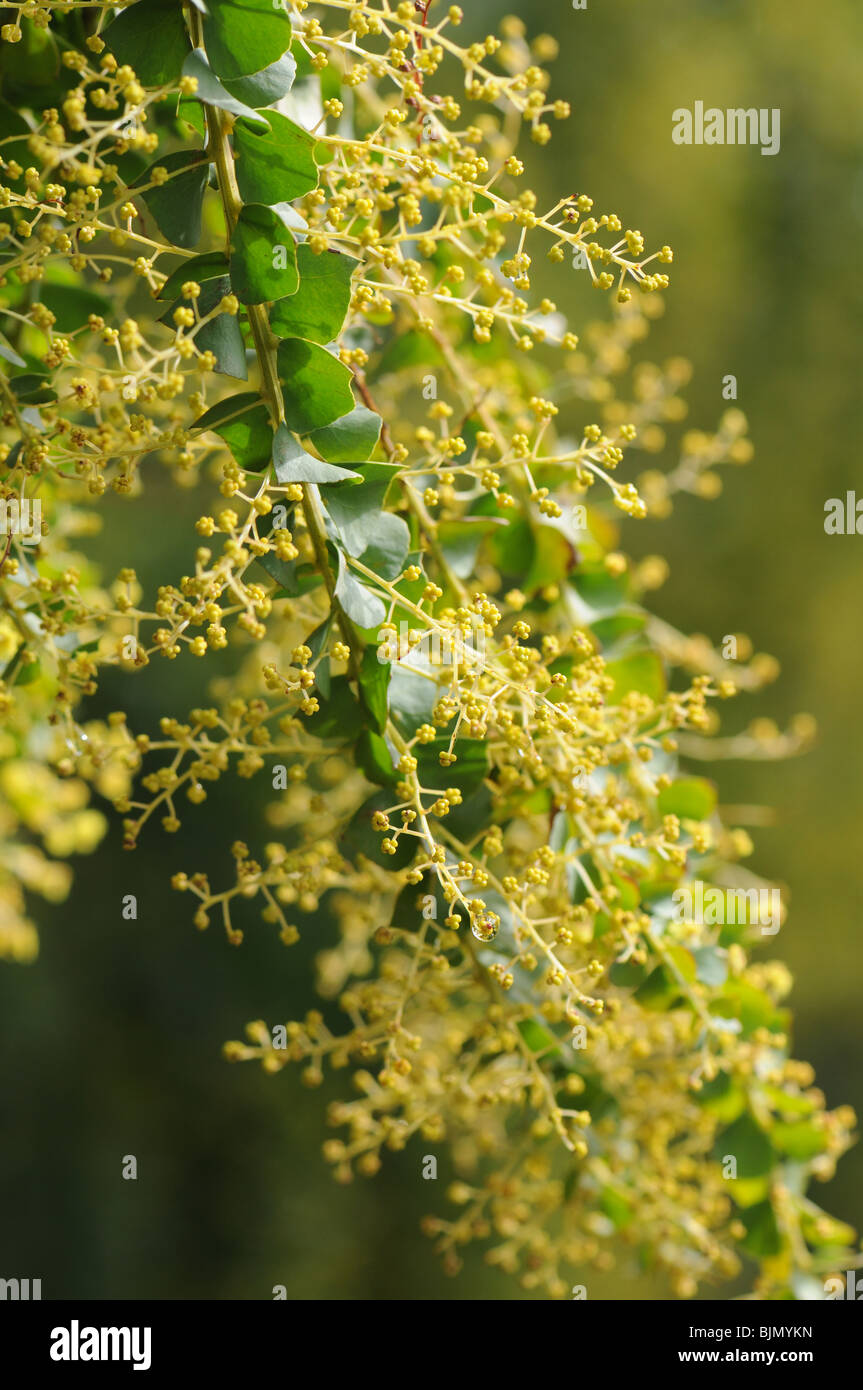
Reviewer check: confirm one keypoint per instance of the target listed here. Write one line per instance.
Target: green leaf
(744, 1001)
(746, 1192)
(292, 577)
(387, 552)
(71, 304)
(360, 838)
(799, 1139)
(244, 424)
(821, 1229)
(376, 479)
(663, 989)
(316, 385)
(379, 539)
(222, 335)
(722, 1097)
(274, 165)
(610, 630)
(533, 553)
(659, 991)
(316, 641)
(476, 809)
(460, 541)
(627, 974)
(467, 773)
(33, 62)
(317, 310)
(786, 1102)
(640, 671)
(33, 389)
(409, 350)
(711, 965)
(244, 36)
(192, 112)
(362, 607)
(375, 760)
(8, 353)
(304, 59)
(374, 682)
(263, 256)
(553, 558)
(412, 698)
(339, 717)
(616, 1206)
(630, 895)
(538, 1037)
(176, 205)
(151, 38)
(353, 438)
(763, 1237)
(209, 266)
(602, 592)
(745, 1141)
(210, 91)
(294, 465)
(29, 672)
(306, 579)
(265, 88)
(690, 798)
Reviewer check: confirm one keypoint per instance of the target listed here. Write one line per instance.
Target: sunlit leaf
(210, 90)
(350, 439)
(722, 1097)
(642, 672)
(263, 256)
(264, 88)
(801, 1139)
(295, 465)
(690, 798)
(244, 36)
(274, 165)
(317, 310)
(315, 384)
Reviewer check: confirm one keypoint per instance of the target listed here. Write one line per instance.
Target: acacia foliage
(275, 252)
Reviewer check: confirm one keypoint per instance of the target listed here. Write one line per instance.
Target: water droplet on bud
(484, 927)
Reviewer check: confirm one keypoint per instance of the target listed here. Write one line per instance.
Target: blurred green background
(110, 1044)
